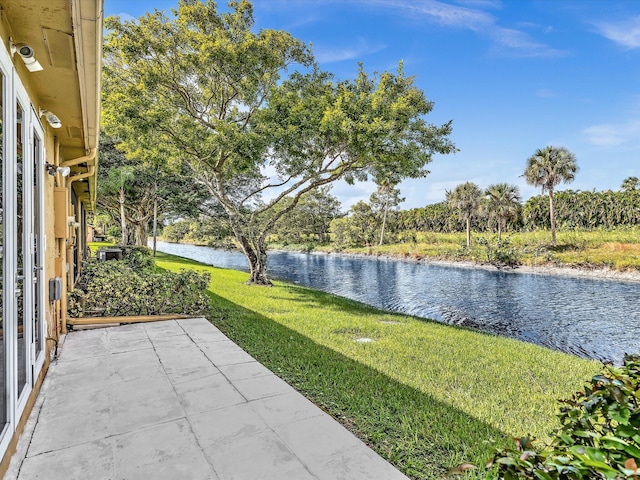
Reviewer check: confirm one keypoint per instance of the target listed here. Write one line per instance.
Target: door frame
(33, 249)
(38, 244)
(27, 246)
(8, 254)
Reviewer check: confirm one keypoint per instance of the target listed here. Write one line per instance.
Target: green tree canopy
(128, 189)
(465, 198)
(311, 218)
(502, 203)
(547, 168)
(630, 183)
(219, 96)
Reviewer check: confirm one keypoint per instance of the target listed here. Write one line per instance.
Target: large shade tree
(223, 98)
(135, 192)
(547, 168)
(502, 203)
(466, 198)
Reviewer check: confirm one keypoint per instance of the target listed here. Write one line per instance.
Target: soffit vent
(74, 132)
(60, 48)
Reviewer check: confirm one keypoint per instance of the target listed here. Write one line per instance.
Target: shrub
(137, 257)
(131, 287)
(599, 435)
(500, 252)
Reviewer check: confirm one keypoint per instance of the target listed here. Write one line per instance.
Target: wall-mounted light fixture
(53, 170)
(52, 119)
(27, 55)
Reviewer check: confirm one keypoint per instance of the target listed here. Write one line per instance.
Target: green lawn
(94, 246)
(426, 396)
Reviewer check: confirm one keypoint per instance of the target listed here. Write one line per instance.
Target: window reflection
(20, 234)
(38, 267)
(3, 387)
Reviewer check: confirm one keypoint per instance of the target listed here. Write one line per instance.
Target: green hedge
(132, 286)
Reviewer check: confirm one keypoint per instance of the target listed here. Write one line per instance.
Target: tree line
(320, 220)
(131, 194)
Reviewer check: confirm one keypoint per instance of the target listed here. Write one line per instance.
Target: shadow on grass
(564, 247)
(421, 436)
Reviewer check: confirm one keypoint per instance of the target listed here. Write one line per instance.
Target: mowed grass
(426, 396)
(94, 246)
(615, 249)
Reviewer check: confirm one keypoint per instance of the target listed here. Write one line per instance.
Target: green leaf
(632, 450)
(620, 415)
(601, 379)
(542, 475)
(617, 394)
(615, 440)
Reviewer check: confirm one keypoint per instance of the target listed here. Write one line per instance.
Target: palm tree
(630, 183)
(466, 199)
(547, 168)
(502, 202)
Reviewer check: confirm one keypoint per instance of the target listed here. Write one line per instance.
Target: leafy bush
(138, 258)
(500, 252)
(599, 435)
(132, 287)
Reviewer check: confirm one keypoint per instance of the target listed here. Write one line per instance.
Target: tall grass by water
(614, 249)
(426, 396)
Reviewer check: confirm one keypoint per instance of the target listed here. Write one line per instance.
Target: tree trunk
(499, 230)
(552, 217)
(155, 225)
(256, 253)
(142, 237)
(384, 221)
(123, 219)
(468, 232)
(258, 265)
(131, 237)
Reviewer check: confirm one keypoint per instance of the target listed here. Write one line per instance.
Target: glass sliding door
(38, 247)
(3, 303)
(21, 234)
(7, 251)
(22, 304)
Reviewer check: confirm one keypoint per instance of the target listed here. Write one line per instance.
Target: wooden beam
(125, 319)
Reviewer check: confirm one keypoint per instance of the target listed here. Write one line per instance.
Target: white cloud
(612, 135)
(125, 17)
(536, 26)
(546, 93)
(360, 49)
(521, 44)
(625, 33)
(480, 3)
(442, 13)
(351, 194)
(507, 41)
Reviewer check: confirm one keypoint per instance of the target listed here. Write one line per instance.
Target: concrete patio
(179, 400)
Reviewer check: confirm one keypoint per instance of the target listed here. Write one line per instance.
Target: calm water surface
(591, 318)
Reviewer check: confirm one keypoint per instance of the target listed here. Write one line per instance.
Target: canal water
(598, 319)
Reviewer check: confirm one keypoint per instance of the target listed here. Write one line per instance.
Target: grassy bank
(616, 249)
(424, 395)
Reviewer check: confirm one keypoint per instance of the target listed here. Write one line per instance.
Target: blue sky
(513, 75)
